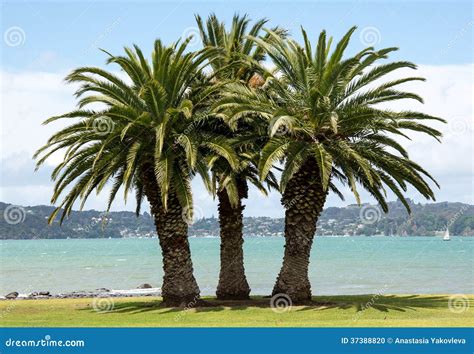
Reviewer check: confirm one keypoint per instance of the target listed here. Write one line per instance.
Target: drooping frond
(237, 60)
(149, 122)
(321, 104)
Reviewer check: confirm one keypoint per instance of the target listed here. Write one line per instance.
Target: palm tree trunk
(303, 199)
(233, 284)
(179, 286)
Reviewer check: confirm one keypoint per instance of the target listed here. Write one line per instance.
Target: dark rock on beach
(144, 286)
(12, 295)
(80, 294)
(39, 295)
(103, 290)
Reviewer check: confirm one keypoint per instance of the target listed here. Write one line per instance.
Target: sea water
(339, 265)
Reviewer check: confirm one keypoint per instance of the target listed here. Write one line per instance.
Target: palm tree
(144, 138)
(326, 105)
(237, 59)
(231, 186)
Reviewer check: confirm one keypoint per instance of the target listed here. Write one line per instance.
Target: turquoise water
(339, 265)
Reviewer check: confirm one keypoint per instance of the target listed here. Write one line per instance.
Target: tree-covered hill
(30, 222)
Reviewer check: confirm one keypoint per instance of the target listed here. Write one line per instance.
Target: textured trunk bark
(232, 284)
(179, 286)
(303, 200)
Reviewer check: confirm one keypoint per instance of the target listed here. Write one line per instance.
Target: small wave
(333, 236)
(203, 236)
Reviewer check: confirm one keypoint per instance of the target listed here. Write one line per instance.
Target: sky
(42, 41)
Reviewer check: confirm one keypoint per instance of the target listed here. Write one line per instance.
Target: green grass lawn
(331, 311)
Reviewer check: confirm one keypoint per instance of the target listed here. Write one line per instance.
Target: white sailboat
(446, 235)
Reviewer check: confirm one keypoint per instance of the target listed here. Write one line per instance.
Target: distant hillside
(426, 220)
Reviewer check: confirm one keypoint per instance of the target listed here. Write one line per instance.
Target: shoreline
(143, 290)
(156, 292)
(245, 236)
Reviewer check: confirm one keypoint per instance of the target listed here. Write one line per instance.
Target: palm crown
(151, 128)
(236, 58)
(321, 107)
(239, 57)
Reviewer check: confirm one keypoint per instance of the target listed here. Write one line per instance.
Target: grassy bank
(338, 311)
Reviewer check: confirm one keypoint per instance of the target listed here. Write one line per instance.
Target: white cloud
(27, 100)
(448, 93)
(30, 97)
